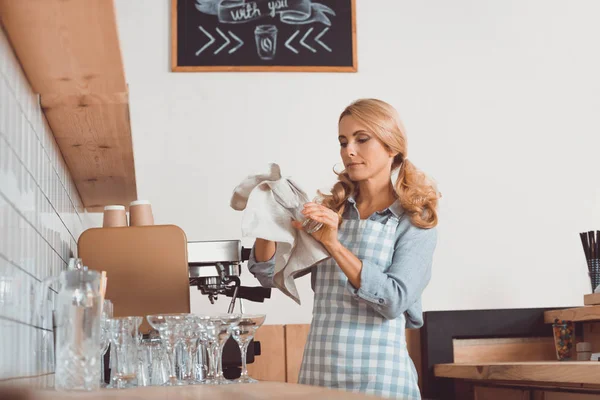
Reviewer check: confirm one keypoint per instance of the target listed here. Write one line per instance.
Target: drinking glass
(107, 314)
(310, 225)
(243, 333)
(124, 337)
(226, 322)
(169, 327)
(218, 330)
(153, 371)
(191, 335)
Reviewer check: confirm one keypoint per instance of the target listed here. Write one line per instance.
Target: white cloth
(270, 202)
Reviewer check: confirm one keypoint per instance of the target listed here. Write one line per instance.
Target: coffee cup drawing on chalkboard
(266, 41)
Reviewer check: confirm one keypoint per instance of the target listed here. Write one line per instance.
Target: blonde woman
(381, 236)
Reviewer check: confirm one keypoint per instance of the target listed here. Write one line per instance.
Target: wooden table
(258, 391)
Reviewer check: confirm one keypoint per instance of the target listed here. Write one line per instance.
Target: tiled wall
(40, 220)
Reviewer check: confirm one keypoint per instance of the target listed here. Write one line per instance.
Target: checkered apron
(350, 345)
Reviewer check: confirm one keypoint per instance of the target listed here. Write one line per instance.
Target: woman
(381, 237)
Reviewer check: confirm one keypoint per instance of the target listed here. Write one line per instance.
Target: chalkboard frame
(266, 68)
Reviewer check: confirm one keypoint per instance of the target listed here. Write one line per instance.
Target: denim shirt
(391, 291)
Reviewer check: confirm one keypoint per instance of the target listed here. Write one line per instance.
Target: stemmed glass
(169, 327)
(218, 330)
(243, 332)
(191, 334)
(107, 314)
(124, 336)
(225, 322)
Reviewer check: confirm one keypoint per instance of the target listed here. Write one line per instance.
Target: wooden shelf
(577, 314)
(577, 372)
(71, 55)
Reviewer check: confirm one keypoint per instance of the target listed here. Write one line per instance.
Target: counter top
(261, 390)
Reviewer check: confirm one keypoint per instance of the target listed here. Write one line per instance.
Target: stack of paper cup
(140, 213)
(114, 216)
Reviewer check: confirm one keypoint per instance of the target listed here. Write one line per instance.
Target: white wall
(500, 99)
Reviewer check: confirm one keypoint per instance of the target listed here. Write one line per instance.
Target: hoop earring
(334, 169)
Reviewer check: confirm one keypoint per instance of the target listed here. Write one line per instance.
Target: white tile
(4, 99)
(8, 349)
(39, 209)
(4, 49)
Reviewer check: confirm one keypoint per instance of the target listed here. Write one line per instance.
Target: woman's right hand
(264, 250)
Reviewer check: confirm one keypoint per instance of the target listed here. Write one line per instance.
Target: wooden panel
(585, 372)
(587, 313)
(493, 393)
(270, 365)
(295, 340)
(93, 133)
(591, 299)
(503, 350)
(565, 396)
(66, 46)
(413, 344)
(591, 333)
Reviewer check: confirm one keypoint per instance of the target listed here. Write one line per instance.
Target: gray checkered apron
(350, 345)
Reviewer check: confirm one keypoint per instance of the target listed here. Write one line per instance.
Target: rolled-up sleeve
(262, 270)
(392, 291)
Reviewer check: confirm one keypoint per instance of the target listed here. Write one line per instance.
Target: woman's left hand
(328, 234)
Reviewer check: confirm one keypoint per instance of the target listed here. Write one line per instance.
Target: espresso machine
(215, 268)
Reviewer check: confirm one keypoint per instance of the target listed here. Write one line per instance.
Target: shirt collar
(395, 208)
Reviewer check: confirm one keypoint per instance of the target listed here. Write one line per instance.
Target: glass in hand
(170, 328)
(310, 225)
(243, 333)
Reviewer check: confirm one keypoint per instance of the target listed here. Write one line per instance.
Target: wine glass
(191, 334)
(218, 330)
(124, 336)
(169, 327)
(107, 314)
(243, 333)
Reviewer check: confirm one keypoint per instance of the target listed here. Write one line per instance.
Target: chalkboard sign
(263, 35)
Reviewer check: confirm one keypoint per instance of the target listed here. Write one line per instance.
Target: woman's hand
(328, 234)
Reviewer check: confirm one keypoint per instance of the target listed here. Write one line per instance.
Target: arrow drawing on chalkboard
(303, 43)
(287, 42)
(227, 41)
(240, 43)
(318, 39)
(207, 45)
(304, 38)
(233, 50)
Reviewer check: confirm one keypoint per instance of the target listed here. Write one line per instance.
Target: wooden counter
(262, 390)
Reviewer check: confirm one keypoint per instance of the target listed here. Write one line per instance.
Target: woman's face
(363, 154)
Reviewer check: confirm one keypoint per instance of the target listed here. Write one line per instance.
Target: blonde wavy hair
(418, 195)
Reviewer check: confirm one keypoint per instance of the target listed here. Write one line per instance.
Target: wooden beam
(70, 52)
(66, 46)
(503, 350)
(93, 134)
(584, 372)
(587, 313)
